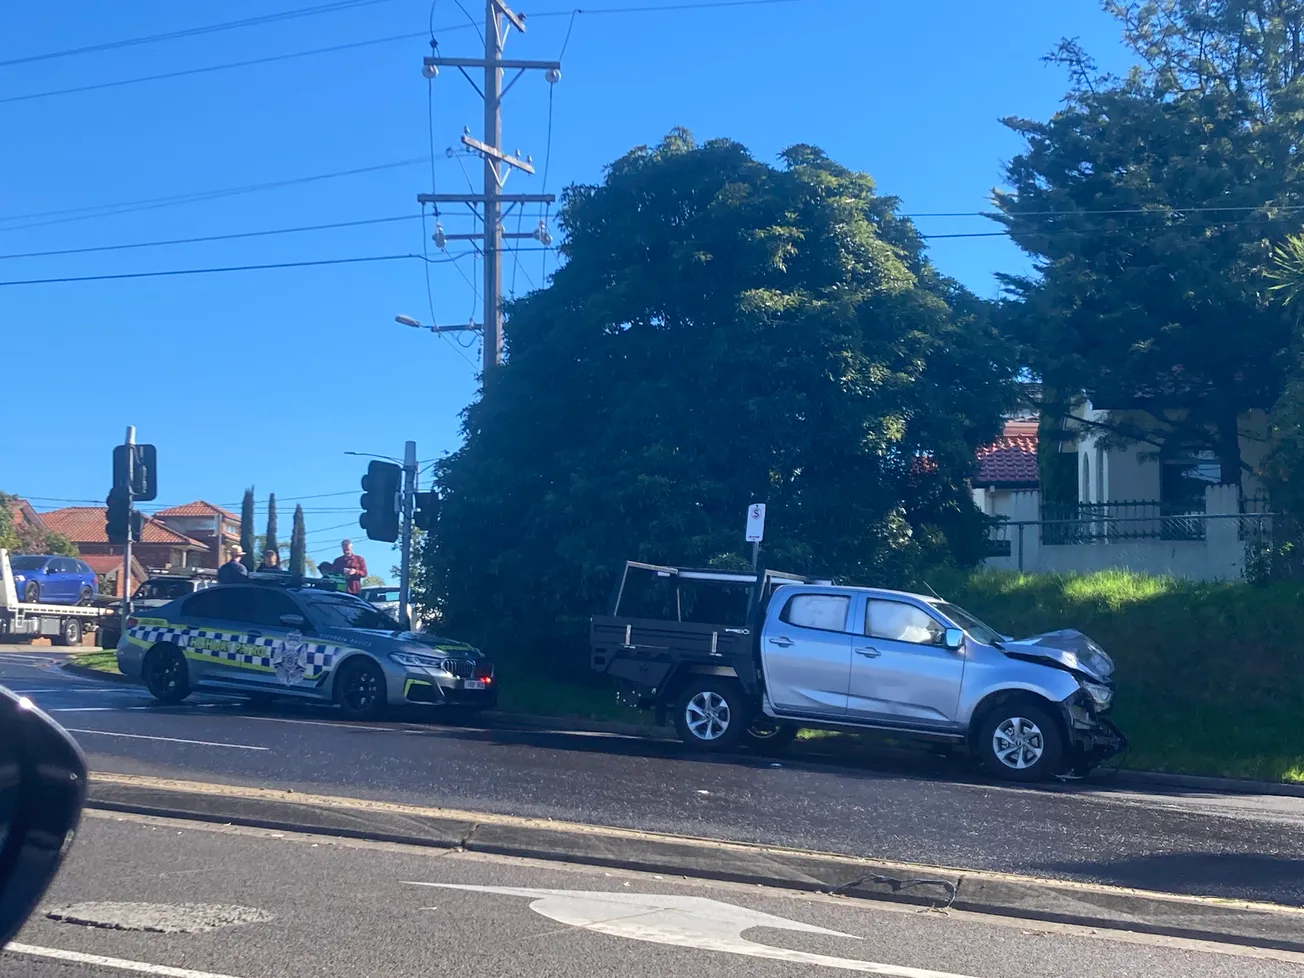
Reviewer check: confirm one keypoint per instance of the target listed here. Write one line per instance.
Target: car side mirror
(954, 638)
(294, 621)
(42, 790)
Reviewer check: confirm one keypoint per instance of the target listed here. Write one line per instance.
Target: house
(213, 526)
(160, 548)
(1116, 503)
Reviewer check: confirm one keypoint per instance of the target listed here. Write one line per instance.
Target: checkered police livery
(261, 653)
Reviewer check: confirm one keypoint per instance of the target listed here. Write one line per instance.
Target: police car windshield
(346, 611)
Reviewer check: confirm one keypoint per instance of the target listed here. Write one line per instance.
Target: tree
(270, 540)
(371, 580)
(1149, 205)
(247, 529)
(723, 331)
(298, 544)
(29, 538)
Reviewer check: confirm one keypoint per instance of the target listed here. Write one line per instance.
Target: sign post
(755, 530)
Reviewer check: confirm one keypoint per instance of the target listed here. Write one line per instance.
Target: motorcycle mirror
(42, 790)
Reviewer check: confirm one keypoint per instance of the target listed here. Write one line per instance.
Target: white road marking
(171, 740)
(84, 709)
(317, 723)
(140, 967)
(685, 921)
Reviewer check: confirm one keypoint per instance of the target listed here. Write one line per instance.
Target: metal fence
(1126, 519)
(1096, 525)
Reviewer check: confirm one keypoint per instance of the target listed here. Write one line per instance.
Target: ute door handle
(868, 652)
(782, 641)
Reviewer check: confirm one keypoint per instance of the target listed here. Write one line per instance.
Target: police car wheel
(165, 673)
(360, 690)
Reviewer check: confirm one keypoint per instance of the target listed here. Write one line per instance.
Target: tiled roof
(1012, 459)
(197, 508)
(85, 524)
(23, 513)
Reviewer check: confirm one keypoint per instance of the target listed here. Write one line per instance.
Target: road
(1241, 848)
(320, 907)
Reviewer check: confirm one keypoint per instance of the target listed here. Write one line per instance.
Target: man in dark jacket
(233, 572)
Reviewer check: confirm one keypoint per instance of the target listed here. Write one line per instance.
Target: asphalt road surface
(280, 905)
(1235, 847)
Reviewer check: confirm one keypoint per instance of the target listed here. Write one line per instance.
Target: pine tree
(271, 542)
(247, 528)
(298, 544)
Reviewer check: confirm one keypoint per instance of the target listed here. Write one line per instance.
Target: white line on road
(170, 740)
(140, 967)
(84, 709)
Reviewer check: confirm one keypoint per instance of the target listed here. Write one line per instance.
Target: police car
(301, 638)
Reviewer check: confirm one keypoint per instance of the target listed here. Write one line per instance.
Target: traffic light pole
(405, 512)
(126, 550)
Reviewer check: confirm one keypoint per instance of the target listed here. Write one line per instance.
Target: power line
(211, 237)
(206, 271)
(324, 8)
(151, 203)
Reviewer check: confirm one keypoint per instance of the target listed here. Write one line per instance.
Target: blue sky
(267, 378)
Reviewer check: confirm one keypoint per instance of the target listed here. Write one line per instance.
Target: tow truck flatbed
(63, 624)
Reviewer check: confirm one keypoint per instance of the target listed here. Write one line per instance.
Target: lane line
(83, 709)
(171, 740)
(140, 967)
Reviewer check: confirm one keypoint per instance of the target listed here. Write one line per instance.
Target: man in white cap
(233, 572)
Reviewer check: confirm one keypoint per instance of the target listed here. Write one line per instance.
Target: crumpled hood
(1067, 648)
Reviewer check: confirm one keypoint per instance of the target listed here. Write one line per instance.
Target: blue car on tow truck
(279, 636)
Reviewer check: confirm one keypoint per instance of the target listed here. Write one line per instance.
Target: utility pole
(126, 549)
(405, 512)
(488, 205)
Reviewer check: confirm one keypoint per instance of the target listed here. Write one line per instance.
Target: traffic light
(137, 525)
(380, 492)
(144, 476)
(118, 521)
(427, 510)
(135, 467)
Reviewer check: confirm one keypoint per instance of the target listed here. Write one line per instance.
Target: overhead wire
(323, 8)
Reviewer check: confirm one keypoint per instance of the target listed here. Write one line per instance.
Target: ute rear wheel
(166, 675)
(711, 714)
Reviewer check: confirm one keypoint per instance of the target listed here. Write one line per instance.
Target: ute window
(827, 612)
(896, 621)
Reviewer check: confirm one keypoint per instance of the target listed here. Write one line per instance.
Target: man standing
(233, 572)
(352, 566)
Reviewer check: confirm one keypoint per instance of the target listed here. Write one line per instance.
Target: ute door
(806, 650)
(901, 670)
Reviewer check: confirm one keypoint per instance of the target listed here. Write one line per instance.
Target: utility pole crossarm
(504, 63)
(498, 154)
(481, 198)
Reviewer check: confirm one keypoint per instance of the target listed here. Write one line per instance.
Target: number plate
(473, 684)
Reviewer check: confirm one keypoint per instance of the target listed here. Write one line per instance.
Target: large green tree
(722, 331)
(1150, 205)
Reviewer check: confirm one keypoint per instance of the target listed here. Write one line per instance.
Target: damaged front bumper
(1092, 737)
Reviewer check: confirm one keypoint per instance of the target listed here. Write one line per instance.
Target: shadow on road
(1195, 872)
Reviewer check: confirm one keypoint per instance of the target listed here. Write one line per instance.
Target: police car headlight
(417, 659)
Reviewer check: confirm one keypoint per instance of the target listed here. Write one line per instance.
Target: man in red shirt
(352, 566)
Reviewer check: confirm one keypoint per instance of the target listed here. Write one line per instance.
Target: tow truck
(63, 624)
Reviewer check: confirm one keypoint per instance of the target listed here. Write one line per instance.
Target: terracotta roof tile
(1012, 459)
(198, 508)
(85, 524)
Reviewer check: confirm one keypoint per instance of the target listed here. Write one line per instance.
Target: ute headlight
(1100, 695)
(417, 659)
